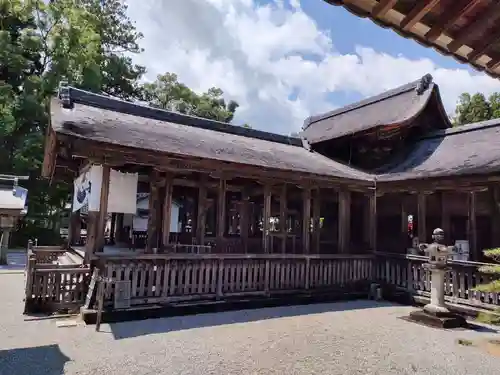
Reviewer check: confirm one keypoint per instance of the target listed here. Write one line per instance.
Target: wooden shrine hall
(346, 186)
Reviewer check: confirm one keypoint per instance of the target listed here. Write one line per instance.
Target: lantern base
(438, 319)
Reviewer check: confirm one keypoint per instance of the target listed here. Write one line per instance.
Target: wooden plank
(103, 207)
(418, 12)
(484, 21)
(122, 294)
(456, 10)
(167, 208)
(382, 7)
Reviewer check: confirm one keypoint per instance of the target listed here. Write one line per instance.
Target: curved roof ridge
(396, 106)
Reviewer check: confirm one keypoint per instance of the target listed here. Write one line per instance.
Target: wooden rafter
(494, 64)
(457, 11)
(485, 45)
(417, 13)
(481, 24)
(383, 7)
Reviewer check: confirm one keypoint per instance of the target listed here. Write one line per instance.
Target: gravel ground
(359, 337)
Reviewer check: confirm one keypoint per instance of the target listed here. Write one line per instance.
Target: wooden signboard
(122, 294)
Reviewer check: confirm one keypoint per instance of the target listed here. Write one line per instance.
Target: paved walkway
(16, 261)
(329, 339)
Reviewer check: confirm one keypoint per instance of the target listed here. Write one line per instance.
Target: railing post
(308, 266)
(409, 278)
(220, 279)
(267, 281)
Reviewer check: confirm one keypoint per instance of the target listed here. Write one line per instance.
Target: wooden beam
(494, 64)
(283, 217)
(383, 7)
(167, 208)
(484, 45)
(154, 212)
(344, 221)
(306, 220)
(484, 22)
(457, 9)
(472, 228)
(266, 218)
(103, 207)
(422, 217)
(317, 220)
(418, 12)
(201, 219)
(221, 209)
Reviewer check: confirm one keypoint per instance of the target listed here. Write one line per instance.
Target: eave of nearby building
(468, 30)
(462, 151)
(107, 122)
(398, 106)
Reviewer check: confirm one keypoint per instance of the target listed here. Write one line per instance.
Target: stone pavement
(346, 338)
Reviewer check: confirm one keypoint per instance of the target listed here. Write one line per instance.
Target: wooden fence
(406, 272)
(52, 287)
(167, 278)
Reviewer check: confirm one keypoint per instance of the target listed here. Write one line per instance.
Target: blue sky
(284, 60)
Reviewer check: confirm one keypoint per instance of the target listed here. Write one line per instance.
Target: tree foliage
(476, 108)
(168, 93)
(87, 43)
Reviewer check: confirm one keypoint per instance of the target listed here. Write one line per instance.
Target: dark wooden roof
(465, 150)
(106, 120)
(468, 30)
(398, 106)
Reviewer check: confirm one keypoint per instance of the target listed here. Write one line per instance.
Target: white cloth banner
(122, 191)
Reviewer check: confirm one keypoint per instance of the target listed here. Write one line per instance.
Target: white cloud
(273, 59)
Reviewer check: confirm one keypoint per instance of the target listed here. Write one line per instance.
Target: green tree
(41, 43)
(494, 285)
(168, 93)
(472, 109)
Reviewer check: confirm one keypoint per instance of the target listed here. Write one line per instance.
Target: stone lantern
(436, 313)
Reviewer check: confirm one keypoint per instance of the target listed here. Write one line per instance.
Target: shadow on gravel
(46, 360)
(164, 325)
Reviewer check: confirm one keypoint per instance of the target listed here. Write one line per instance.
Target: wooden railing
(167, 278)
(52, 287)
(406, 272)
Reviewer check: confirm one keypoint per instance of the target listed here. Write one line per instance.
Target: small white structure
(12, 207)
(139, 221)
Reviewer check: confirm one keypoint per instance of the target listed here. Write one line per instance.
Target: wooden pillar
(472, 227)
(317, 220)
(372, 205)
(112, 229)
(404, 216)
(167, 209)
(92, 225)
(221, 209)
(422, 222)
(245, 218)
(154, 216)
(306, 220)
(103, 208)
(283, 216)
(74, 230)
(119, 228)
(344, 221)
(266, 218)
(445, 217)
(201, 212)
